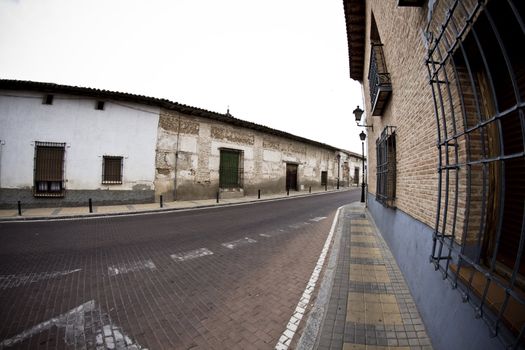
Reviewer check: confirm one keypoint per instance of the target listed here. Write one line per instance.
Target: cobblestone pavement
(370, 306)
(221, 278)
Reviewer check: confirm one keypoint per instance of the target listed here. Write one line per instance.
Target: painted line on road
(131, 267)
(79, 331)
(319, 218)
(192, 254)
(239, 242)
(288, 334)
(12, 281)
(265, 235)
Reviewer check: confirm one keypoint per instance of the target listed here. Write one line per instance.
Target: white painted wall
(121, 129)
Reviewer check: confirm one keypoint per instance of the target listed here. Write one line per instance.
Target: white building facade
(63, 145)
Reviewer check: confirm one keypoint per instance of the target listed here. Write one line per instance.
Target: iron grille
(231, 171)
(49, 169)
(477, 75)
(112, 170)
(378, 79)
(386, 167)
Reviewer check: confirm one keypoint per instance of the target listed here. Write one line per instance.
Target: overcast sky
(280, 63)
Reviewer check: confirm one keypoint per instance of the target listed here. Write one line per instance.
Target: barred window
(477, 75)
(49, 169)
(230, 169)
(112, 170)
(386, 167)
(356, 175)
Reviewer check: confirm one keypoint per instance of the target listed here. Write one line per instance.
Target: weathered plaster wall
(188, 158)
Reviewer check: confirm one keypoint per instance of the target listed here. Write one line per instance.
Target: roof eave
(355, 17)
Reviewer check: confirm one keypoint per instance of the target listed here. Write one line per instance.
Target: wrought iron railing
(378, 79)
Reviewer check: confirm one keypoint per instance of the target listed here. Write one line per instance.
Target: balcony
(378, 80)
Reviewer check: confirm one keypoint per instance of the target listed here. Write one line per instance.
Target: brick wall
(410, 108)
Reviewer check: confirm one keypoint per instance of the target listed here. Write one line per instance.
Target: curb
(159, 210)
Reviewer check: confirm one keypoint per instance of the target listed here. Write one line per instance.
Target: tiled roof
(24, 85)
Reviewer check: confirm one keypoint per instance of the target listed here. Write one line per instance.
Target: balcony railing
(378, 80)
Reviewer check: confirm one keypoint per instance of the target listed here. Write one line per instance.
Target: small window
(49, 169)
(324, 178)
(99, 105)
(48, 99)
(356, 175)
(112, 170)
(386, 167)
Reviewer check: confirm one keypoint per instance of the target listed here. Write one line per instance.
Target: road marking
(264, 235)
(192, 254)
(131, 267)
(319, 218)
(12, 281)
(293, 323)
(239, 242)
(81, 333)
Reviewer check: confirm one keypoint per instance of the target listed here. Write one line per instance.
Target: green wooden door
(229, 169)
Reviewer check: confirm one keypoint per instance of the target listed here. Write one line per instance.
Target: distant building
(60, 145)
(444, 87)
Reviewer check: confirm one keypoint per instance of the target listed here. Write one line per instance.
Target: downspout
(176, 161)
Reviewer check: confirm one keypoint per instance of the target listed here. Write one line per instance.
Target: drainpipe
(176, 162)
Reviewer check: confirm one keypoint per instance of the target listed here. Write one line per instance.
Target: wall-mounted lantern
(358, 113)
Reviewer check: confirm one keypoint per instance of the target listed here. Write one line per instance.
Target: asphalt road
(224, 278)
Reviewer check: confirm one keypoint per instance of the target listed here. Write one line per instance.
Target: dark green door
(229, 169)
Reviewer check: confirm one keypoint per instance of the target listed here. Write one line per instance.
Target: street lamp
(358, 113)
(362, 136)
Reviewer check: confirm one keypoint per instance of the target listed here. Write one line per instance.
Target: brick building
(444, 87)
(60, 145)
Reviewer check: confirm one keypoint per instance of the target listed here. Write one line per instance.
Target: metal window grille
(324, 178)
(49, 169)
(231, 171)
(112, 170)
(477, 75)
(356, 175)
(386, 167)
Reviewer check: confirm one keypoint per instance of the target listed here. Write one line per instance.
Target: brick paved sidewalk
(370, 306)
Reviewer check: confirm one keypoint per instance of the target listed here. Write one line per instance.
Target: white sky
(280, 63)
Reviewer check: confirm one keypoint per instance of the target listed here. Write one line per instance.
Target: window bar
(468, 161)
(456, 170)
(103, 169)
(431, 69)
(517, 15)
(502, 163)
(494, 326)
(445, 168)
(483, 164)
(513, 278)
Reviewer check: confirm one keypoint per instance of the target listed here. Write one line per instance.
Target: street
(218, 278)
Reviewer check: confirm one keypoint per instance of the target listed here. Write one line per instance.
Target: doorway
(291, 177)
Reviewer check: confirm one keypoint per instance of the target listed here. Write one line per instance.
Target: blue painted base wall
(450, 323)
